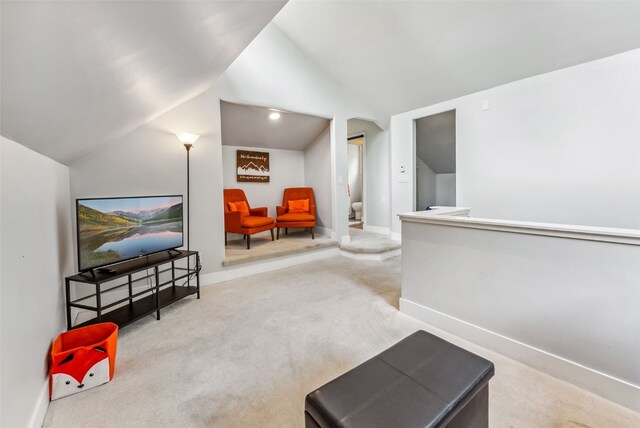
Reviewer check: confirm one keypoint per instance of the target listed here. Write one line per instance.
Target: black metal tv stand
(173, 276)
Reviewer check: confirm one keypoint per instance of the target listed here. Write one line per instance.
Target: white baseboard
(609, 387)
(325, 231)
(377, 229)
(40, 408)
(396, 236)
(378, 257)
(254, 268)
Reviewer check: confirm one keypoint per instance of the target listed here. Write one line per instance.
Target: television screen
(111, 230)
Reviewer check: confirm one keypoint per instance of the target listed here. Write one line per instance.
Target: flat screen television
(112, 230)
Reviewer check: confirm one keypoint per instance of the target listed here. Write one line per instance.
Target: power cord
(149, 282)
(196, 271)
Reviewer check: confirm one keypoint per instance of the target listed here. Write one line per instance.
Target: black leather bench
(422, 381)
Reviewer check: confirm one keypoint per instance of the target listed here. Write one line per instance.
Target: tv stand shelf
(148, 284)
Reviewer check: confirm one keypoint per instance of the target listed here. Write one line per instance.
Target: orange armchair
(244, 223)
(300, 218)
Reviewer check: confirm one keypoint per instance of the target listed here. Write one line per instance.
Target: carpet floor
(263, 248)
(369, 242)
(247, 353)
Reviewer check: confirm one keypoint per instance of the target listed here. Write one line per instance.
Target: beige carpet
(263, 248)
(246, 354)
(369, 242)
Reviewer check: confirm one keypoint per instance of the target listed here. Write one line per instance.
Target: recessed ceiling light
(274, 115)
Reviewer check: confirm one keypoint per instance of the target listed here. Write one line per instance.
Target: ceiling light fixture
(274, 115)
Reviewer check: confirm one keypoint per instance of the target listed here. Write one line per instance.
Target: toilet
(357, 207)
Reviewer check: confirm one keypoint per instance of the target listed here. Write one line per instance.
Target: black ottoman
(422, 381)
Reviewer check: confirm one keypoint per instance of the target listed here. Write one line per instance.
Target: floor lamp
(188, 140)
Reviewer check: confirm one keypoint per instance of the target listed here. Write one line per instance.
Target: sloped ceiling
(436, 141)
(250, 126)
(76, 74)
(399, 56)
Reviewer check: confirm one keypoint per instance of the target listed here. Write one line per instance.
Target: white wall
(36, 254)
(565, 305)
(317, 174)
(426, 186)
(446, 190)
(377, 180)
(433, 189)
(561, 147)
(287, 168)
(274, 71)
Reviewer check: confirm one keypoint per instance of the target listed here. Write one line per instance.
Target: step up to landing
(363, 246)
(262, 248)
(370, 246)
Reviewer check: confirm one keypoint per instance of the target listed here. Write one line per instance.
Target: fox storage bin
(82, 359)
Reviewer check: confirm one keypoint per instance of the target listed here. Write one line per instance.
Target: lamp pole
(188, 140)
(188, 147)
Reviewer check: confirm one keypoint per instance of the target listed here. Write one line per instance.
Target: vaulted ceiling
(77, 74)
(397, 56)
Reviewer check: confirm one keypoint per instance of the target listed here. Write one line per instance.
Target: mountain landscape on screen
(109, 236)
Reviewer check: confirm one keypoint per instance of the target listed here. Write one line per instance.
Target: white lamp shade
(186, 138)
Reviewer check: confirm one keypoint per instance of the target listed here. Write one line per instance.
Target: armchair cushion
(239, 206)
(296, 217)
(254, 221)
(299, 206)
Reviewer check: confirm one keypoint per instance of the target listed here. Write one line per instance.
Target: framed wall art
(252, 167)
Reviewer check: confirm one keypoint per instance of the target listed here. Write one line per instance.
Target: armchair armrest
(312, 210)
(281, 210)
(258, 212)
(232, 220)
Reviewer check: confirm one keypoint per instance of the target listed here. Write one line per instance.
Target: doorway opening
(435, 156)
(266, 151)
(355, 166)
